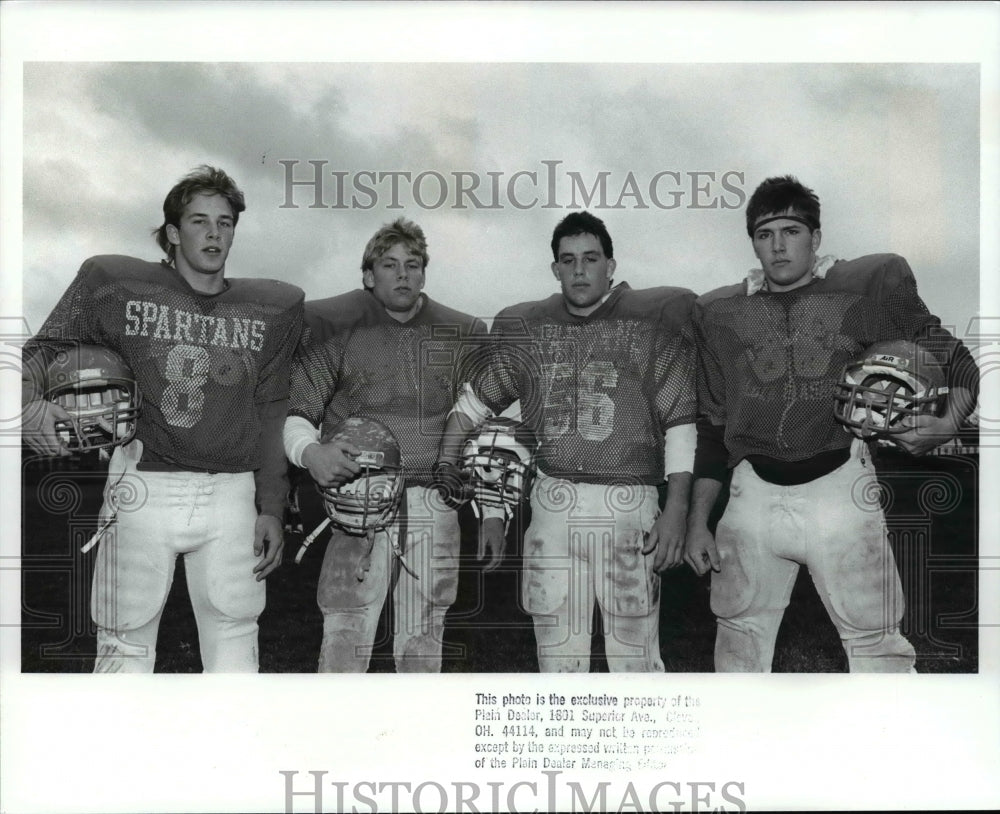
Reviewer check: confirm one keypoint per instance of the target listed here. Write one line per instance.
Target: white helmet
(499, 461)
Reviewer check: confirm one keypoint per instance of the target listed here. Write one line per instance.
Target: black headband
(762, 221)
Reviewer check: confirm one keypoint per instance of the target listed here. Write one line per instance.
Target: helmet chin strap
(394, 542)
(365, 563)
(867, 429)
(309, 540)
(112, 499)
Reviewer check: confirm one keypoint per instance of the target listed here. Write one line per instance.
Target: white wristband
(678, 448)
(297, 435)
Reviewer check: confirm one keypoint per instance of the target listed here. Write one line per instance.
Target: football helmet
(891, 380)
(499, 462)
(95, 386)
(370, 501)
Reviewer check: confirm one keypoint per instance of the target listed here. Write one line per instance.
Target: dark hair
(400, 230)
(203, 180)
(582, 223)
(780, 194)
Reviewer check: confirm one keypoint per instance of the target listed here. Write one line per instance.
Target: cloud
(891, 149)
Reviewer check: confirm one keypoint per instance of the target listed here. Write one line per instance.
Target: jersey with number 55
(203, 363)
(599, 391)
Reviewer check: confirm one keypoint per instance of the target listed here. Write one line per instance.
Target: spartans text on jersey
(145, 318)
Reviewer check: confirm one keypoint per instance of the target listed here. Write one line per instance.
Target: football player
(605, 379)
(772, 349)
(387, 353)
(205, 474)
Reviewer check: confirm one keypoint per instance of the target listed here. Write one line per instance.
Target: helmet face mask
(892, 381)
(95, 386)
(499, 461)
(370, 501)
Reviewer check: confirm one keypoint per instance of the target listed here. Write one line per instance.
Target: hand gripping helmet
(891, 380)
(371, 500)
(95, 386)
(499, 460)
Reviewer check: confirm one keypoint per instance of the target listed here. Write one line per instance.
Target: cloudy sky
(892, 150)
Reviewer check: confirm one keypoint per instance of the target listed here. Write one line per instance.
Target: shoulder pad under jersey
(120, 266)
(443, 315)
(283, 296)
(670, 303)
(873, 274)
(548, 310)
(723, 293)
(334, 314)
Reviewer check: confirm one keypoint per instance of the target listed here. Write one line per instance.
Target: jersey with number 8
(202, 362)
(598, 391)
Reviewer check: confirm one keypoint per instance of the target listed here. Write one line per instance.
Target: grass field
(932, 510)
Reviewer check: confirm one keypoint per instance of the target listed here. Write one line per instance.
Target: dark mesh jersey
(359, 361)
(599, 391)
(770, 362)
(203, 363)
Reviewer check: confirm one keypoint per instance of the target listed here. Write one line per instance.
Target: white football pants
(209, 519)
(834, 526)
(584, 544)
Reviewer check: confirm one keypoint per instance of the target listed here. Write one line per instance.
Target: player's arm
(38, 427)
(271, 489)
(469, 410)
(479, 361)
(476, 364)
(710, 473)
(271, 478)
(928, 431)
(669, 531)
(70, 320)
(677, 403)
(313, 384)
(700, 551)
(711, 458)
(910, 314)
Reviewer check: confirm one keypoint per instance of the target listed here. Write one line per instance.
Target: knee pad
(130, 583)
(238, 596)
(431, 550)
(863, 582)
(732, 588)
(545, 575)
(629, 587)
(339, 587)
(232, 586)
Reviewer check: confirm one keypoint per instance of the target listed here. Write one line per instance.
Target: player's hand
(331, 463)
(269, 540)
(451, 484)
(700, 551)
(38, 428)
(924, 434)
(492, 542)
(667, 537)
